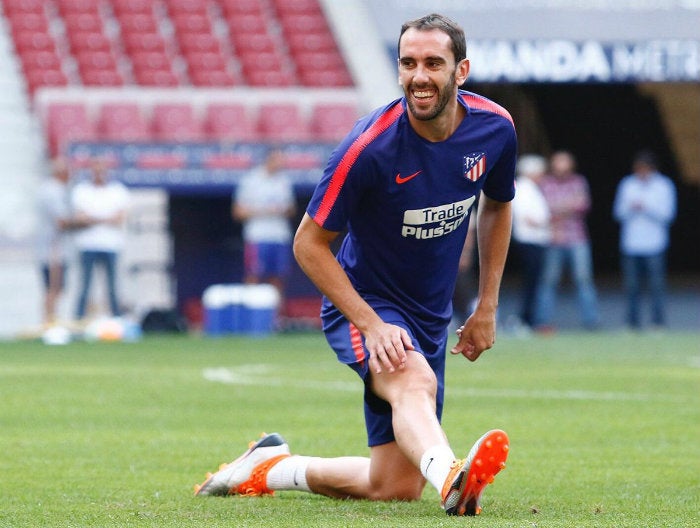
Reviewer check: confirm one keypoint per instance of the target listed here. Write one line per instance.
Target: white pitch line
(258, 375)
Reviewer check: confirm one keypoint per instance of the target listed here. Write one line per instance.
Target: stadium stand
(178, 43)
(261, 42)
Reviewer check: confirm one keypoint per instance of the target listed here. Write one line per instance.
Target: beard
(445, 95)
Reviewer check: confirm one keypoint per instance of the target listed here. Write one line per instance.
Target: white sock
(289, 474)
(435, 465)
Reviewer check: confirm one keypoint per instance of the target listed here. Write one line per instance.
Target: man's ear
(462, 72)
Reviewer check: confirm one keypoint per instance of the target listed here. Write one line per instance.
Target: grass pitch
(604, 429)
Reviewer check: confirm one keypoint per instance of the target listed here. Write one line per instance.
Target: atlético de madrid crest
(474, 165)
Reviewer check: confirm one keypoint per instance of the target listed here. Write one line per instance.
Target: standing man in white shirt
(264, 202)
(102, 203)
(531, 231)
(645, 206)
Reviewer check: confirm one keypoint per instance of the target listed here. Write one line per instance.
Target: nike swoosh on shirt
(401, 180)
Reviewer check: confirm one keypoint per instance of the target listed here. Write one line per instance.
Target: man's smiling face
(427, 72)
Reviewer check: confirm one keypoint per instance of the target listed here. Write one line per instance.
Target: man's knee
(420, 382)
(406, 489)
(417, 379)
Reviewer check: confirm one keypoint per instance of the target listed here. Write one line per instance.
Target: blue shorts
(268, 259)
(347, 342)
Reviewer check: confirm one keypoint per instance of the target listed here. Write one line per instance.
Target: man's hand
(476, 335)
(387, 345)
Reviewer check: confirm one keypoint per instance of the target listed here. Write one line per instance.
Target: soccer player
(403, 183)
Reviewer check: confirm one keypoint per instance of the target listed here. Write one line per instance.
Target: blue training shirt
(406, 203)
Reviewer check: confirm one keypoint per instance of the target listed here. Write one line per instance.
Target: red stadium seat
(12, 7)
(212, 78)
(246, 23)
(188, 7)
(205, 61)
(156, 78)
(229, 122)
(253, 43)
(304, 42)
(48, 60)
(191, 23)
(39, 77)
(150, 61)
(137, 23)
(63, 114)
(96, 60)
(261, 61)
(88, 41)
(77, 6)
(176, 122)
(29, 22)
(34, 41)
(308, 23)
(334, 78)
(270, 78)
(144, 42)
(97, 77)
(318, 60)
(282, 122)
(332, 121)
(199, 42)
(67, 122)
(122, 122)
(132, 6)
(265, 69)
(83, 22)
(241, 7)
(297, 7)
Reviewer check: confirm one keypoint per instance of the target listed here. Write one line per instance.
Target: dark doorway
(603, 126)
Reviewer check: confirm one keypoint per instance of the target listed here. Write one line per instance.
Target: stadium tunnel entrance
(603, 125)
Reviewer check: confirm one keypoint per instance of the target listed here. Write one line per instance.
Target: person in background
(264, 202)
(53, 252)
(569, 201)
(645, 207)
(531, 231)
(101, 203)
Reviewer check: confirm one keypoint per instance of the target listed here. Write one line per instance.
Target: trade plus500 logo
(432, 222)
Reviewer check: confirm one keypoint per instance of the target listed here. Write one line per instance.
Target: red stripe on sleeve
(480, 103)
(341, 171)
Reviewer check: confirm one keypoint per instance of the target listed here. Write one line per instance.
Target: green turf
(604, 428)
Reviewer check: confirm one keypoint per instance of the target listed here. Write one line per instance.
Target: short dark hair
(444, 24)
(645, 157)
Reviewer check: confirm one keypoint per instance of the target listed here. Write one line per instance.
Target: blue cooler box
(260, 306)
(240, 308)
